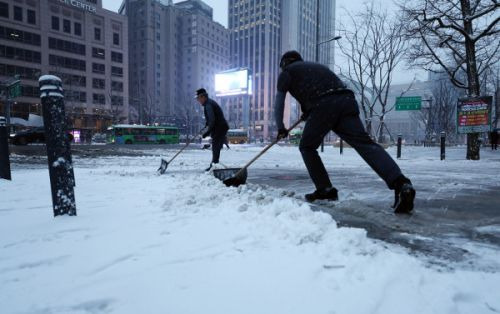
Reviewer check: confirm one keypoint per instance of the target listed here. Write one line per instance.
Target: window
(116, 57)
(98, 83)
(55, 23)
(117, 86)
(31, 17)
(116, 39)
(116, 100)
(68, 63)
(18, 13)
(98, 53)
(98, 68)
(19, 36)
(20, 54)
(78, 29)
(67, 46)
(116, 71)
(98, 99)
(67, 26)
(4, 10)
(97, 34)
(25, 73)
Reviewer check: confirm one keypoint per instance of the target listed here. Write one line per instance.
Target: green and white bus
(142, 134)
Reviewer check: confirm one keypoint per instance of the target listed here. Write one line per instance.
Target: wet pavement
(441, 226)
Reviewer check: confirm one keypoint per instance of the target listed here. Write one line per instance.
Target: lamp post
(318, 43)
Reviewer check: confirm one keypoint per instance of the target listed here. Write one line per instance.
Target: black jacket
(216, 124)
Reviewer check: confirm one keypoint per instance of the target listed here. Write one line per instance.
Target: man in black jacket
(328, 105)
(216, 125)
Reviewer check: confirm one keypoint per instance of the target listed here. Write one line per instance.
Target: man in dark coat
(494, 139)
(327, 105)
(216, 125)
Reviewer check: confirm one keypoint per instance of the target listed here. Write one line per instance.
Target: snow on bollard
(62, 179)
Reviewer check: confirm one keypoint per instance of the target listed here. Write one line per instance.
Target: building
(174, 50)
(260, 32)
(79, 41)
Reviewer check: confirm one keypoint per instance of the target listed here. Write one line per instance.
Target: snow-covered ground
(185, 243)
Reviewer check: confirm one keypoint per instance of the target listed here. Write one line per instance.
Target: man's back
(307, 81)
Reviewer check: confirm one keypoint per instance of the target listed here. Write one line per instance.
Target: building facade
(79, 41)
(260, 32)
(174, 50)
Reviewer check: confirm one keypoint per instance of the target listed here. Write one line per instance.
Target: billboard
(474, 114)
(233, 82)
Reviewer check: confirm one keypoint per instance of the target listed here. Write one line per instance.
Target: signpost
(474, 114)
(408, 103)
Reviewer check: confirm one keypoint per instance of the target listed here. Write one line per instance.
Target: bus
(142, 134)
(237, 136)
(295, 136)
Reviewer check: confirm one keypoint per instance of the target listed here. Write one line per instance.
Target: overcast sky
(220, 15)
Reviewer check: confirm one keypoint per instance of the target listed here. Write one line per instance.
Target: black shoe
(209, 167)
(404, 195)
(323, 194)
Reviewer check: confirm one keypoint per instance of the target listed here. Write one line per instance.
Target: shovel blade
(231, 176)
(163, 166)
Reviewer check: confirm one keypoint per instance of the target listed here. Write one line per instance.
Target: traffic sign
(15, 90)
(408, 103)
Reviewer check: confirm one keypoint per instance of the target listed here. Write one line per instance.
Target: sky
(402, 75)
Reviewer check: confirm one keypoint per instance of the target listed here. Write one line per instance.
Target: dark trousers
(340, 113)
(217, 143)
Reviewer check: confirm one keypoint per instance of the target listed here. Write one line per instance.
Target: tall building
(174, 50)
(261, 31)
(79, 41)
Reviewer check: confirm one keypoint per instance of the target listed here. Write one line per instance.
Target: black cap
(290, 57)
(201, 92)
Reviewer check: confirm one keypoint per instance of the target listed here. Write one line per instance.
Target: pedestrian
(216, 125)
(327, 104)
(494, 139)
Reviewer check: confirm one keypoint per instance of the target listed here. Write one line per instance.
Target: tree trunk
(473, 146)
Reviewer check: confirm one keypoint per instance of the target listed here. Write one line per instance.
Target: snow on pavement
(185, 243)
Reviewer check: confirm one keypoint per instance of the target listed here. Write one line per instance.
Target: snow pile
(184, 243)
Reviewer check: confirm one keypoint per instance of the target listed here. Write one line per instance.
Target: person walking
(216, 125)
(494, 139)
(328, 105)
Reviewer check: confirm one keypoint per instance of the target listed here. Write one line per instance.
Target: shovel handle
(187, 144)
(265, 149)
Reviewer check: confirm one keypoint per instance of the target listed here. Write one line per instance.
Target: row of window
(66, 26)
(67, 46)
(20, 54)
(19, 36)
(18, 13)
(68, 63)
(24, 72)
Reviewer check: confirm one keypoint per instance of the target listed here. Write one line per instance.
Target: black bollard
(59, 158)
(4, 154)
(341, 145)
(443, 145)
(399, 145)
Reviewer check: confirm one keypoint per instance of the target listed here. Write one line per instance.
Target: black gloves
(282, 133)
(205, 132)
(304, 116)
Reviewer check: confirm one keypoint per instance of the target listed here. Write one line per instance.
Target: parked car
(35, 135)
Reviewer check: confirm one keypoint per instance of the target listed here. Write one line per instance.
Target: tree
(457, 36)
(374, 49)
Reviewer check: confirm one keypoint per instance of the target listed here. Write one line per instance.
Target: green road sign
(15, 90)
(408, 103)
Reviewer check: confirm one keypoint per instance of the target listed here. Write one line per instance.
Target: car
(3, 121)
(35, 135)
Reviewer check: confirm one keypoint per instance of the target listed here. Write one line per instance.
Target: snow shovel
(164, 163)
(240, 174)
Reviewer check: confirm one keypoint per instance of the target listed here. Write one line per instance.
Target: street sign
(474, 114)
(15, 90)
(408, 103)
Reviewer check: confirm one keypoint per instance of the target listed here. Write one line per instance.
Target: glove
(304, 116)
(205, 132)
(282, 133)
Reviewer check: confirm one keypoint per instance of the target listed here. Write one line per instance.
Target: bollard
(62, 179)
(4, 154)
(443, 145)
(341, 145)
(399, 145)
